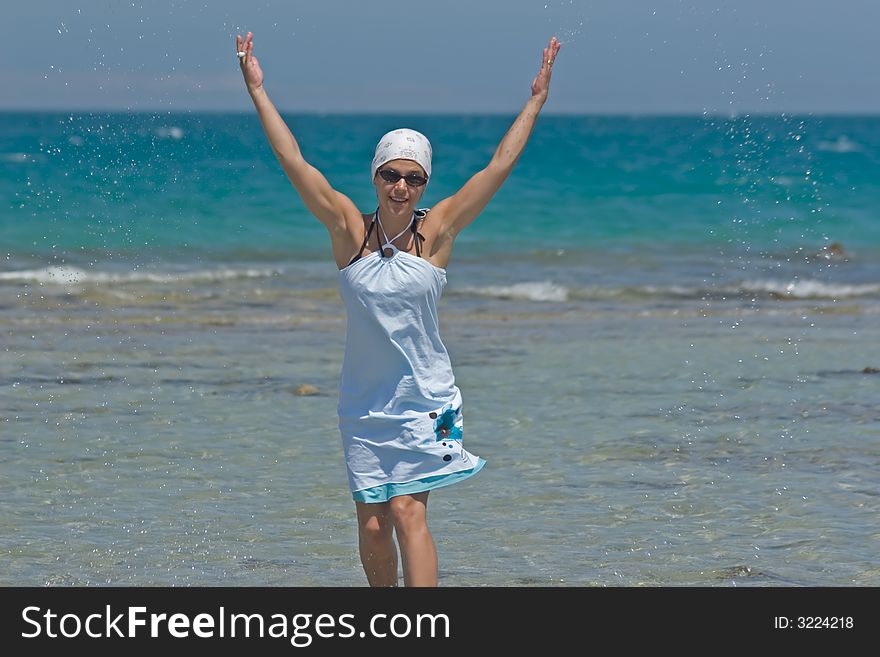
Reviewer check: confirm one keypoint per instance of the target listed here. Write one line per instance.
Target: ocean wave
(808, 289)
(20, 158)
(63, 275)
(842, 144)
(776, 289)
(800, 289)
(169, 132)
(530, 291)
(535, 291)
(773, 289)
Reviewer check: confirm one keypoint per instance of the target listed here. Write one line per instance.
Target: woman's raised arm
(462, 208)
(328, 205)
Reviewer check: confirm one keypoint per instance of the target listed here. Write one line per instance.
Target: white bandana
(403, 144)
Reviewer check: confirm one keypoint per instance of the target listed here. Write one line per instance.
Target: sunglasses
(412, 179)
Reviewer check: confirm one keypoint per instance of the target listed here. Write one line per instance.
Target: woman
(399, 408)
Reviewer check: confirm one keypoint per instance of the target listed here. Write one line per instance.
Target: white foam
(809, 289)
(672, 290)
(842, 144)
(64, 275)
(791, 289)
(169, 132)
(16, 157)
(533, 291)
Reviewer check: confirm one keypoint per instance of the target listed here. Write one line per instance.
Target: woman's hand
(541, 83)
(250, 67)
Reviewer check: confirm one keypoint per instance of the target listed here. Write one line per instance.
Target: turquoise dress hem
(385, 492)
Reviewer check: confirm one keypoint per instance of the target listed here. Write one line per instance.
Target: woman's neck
(394, 224)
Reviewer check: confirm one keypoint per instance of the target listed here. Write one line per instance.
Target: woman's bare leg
(417, 550)
(376, 543)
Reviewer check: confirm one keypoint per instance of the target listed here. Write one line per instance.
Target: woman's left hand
(541, 83)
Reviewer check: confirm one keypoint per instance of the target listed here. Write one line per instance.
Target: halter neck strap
(418, 215)
(390, 242)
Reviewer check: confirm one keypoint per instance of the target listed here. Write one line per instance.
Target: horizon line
(487, 113)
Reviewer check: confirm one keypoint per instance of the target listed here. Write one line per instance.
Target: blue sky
(618, 56)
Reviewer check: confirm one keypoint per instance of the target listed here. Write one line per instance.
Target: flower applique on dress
(446, 427)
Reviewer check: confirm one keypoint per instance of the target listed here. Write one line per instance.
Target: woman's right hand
(250, 67)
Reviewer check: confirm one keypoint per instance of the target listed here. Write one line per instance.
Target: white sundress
(400, 412)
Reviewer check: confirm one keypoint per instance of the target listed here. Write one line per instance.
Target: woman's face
(400, 197)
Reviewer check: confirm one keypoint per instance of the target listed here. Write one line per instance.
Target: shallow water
(665, 395)
(623, 448)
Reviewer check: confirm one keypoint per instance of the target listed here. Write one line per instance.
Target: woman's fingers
(239, 48)
(548, 55)
(246, 46)
(551, 50)
(541, 83)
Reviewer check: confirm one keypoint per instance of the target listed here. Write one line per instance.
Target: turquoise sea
(666, 331)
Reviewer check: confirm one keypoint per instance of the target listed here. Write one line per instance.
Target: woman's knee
(408, 513)
(375, 524)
